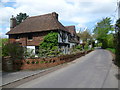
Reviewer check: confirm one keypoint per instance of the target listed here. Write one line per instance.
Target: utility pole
(118, 9)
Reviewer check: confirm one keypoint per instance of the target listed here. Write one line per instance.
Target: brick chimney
(55, 15)
(13, 22)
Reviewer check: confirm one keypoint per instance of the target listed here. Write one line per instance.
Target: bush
(33, 62)
(28, 53)
(28, 62)
(13, 49)
(111, 49)
(79, 47)
(86, 47)
(37, 62)
(49, 46)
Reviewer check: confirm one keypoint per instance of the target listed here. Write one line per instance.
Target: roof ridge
(70, 26)
(40, 15)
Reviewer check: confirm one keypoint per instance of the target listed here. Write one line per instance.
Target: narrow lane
(94, 70)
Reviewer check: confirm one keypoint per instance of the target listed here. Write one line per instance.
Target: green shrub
(86, 47)
(41, 61)
(111, 49)
(28, 62)
(79, 47)
(33, 62)
(13, 49)
(37, 62)
(28, 53)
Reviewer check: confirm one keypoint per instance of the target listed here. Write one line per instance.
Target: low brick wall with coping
(40, 63)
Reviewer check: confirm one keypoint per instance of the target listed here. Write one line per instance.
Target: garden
(16, 57)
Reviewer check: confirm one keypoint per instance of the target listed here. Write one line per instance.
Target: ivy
(49, 46)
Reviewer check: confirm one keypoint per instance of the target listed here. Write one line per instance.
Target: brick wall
(41, 63)
(37, 38)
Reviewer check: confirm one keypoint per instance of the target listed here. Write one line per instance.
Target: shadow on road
(117, 76)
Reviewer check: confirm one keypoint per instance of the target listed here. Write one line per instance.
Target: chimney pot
(13, 22)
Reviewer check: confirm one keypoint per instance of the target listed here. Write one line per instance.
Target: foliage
(104, 43)
(20, 17)
(99, 45)
(49, 46)
(50, 41)
(79, 47)
(111, 49)
(110, 39)
(13, 49)
(86, 47)
(102, 29)
(84, 35)
(3, 41)
(117, 42)
(28, 53)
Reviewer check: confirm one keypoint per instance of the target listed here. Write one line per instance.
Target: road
(94, 70)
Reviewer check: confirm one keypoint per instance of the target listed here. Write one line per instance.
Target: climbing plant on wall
(49, 46)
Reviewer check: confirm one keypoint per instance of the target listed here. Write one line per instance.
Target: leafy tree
(117, 40)
(84, 35)
(110, 40)
(3, 41)
(20, 17)
(102, 29)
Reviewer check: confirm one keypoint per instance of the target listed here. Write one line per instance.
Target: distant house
(31, 31)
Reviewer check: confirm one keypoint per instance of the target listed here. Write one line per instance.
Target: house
(73, 37)
(31, 31)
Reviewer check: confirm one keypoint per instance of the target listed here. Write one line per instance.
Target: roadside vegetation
(111, 49)
(117, 42)
(109, 37)
(103, 32)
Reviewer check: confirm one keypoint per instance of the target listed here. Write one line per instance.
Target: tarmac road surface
(94, 70)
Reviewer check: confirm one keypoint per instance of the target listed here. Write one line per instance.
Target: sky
(84, 14)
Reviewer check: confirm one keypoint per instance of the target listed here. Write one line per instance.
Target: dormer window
(30, 37)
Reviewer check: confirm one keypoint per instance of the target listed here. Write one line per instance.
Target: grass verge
(111, 49)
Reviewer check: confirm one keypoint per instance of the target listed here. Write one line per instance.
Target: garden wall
(39, 63)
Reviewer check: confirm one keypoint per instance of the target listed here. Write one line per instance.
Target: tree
(3, 41)
(110, 40)
(117, 40)
(20, 17)
(84, 35)
(102, 29)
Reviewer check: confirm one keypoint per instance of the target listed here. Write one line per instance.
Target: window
(30, 37)
(17, 37)
(36, 49)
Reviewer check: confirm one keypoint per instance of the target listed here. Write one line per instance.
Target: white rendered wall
(31, 48)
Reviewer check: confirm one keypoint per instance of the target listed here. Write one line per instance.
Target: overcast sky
(81, 13)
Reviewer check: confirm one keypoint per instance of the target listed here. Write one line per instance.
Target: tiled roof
(37, 24)
(71, 29)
